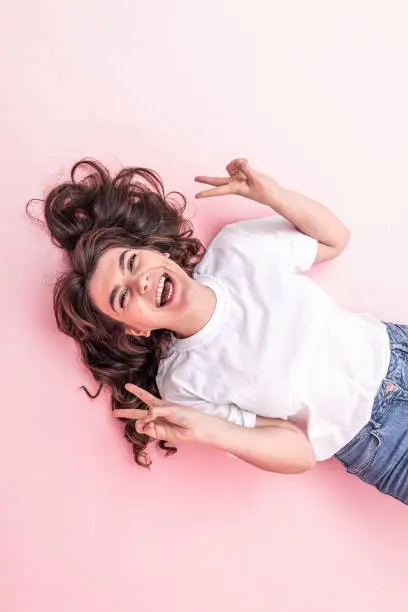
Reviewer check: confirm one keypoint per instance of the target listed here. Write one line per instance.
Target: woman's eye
(122, 298)
(132, 262)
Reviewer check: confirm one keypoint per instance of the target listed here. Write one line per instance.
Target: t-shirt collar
(213, 326)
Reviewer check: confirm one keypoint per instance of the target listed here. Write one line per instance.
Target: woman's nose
(142, 284)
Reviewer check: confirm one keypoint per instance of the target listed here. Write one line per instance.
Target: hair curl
(86, 216)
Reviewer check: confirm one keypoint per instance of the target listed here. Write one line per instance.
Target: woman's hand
(274, 445)
(243, 181)
(170, 422)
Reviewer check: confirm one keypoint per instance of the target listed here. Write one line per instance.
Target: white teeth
(160, 288)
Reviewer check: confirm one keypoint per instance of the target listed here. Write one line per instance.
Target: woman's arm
(273, 445)
(307, 216)
(312, 219)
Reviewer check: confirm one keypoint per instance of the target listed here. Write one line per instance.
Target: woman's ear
(133, 332)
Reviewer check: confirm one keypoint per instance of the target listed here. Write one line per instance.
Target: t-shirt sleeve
(274, 237)
(228, 411)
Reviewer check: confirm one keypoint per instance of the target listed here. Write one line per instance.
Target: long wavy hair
(87, 215)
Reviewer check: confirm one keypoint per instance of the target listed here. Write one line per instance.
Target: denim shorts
(378, 454)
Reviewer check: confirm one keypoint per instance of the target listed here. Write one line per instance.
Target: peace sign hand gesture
(170, 422)
(243, 181)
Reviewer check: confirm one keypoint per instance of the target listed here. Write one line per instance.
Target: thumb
(244, 167)
(178, 415)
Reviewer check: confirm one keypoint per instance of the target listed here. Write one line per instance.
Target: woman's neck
(204, 302)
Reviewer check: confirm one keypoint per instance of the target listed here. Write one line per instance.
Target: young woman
(246, 353)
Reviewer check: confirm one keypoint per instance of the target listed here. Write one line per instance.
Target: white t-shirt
(277, 345)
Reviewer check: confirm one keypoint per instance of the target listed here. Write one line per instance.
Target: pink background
(313, 92)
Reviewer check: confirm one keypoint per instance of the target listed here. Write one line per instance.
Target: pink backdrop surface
(314, 93)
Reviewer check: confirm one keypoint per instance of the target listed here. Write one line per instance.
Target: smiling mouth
(165, 290)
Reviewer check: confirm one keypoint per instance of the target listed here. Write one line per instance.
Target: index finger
(215, 181)
(216, 191)
(146, 397)
(130, 413)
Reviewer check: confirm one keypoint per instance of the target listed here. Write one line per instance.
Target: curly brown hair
(87, 215)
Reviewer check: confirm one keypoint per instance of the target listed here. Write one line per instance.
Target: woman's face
(141, 288)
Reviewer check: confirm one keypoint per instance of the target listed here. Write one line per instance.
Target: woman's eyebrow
(122, 260)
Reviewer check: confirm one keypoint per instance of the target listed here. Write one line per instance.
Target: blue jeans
(378, 454)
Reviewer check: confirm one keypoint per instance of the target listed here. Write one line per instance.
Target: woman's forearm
(309, 217)
(281, 448)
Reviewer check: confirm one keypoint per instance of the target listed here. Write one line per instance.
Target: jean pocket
(358, 454)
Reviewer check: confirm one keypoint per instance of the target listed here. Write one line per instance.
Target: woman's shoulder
(242, 231)
(236, 244)
(173, 379)
(170, 367)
